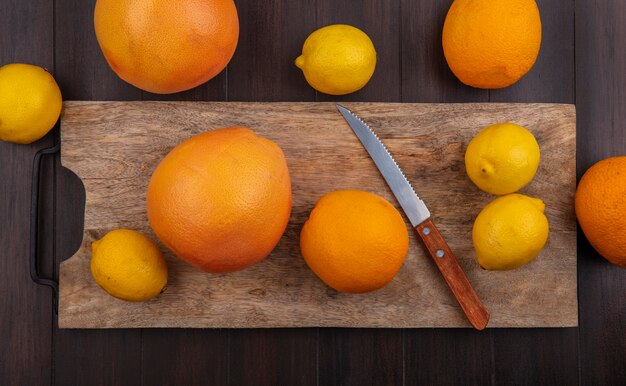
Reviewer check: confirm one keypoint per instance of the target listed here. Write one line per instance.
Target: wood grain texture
(380, 358)
(550, 80)
(184, 357)
(430, 353)
(25, 308)
(380, 349)
(428, 142)
(263, 69)
(380, 20)
(427, 78)
(270, 40)
(542, 356)
(601, 95)
(193, 357)
(83, 71)
(187, 357)
(93, 357)
(453, 274)
(349, 356)
(97, 357)
(273, 357)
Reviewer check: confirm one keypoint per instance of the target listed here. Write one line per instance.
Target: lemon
(30, 103)
(510, 232)
(337, 59)
(128, 265)
(502, 158)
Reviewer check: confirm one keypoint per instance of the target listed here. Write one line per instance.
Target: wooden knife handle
(453, 274)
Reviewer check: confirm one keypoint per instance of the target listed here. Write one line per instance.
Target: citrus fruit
(337, 59)
(30, 103)
(601, 208)
(502, 158)
(354, 241)
(167, 46)
(491, 43)
(221, 200)
(510, 232)
(128, 265)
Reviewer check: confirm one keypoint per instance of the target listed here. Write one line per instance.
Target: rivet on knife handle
(453, 274)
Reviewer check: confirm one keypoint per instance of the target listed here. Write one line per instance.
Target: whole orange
(167, 46)
(491, 43)
(354, 241)
(221, 200)
(601, 208)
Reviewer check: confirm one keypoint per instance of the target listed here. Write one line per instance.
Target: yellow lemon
(502, 158)
(128, 265)
(30, 103)
(510, 232)
(337, 59)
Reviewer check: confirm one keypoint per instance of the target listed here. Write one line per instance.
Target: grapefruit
(167, 46)
(221, 200)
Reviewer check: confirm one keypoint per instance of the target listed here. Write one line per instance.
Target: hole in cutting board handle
(70, 213)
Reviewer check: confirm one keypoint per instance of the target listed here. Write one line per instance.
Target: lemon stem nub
(486, 168)
(300, 61)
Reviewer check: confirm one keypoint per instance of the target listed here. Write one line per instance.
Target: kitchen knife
(419, 216)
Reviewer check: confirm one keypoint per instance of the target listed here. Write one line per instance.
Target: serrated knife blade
(419, 216)
(410, 202)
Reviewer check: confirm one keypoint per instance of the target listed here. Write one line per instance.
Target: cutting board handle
(34, 223)
(452, 272)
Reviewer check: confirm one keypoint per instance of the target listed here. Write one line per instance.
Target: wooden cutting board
(114, 147)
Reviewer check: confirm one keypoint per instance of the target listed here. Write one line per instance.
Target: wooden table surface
(582, 61)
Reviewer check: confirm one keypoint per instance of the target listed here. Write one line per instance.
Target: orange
(221, 200)
(491, 43)
(601, 208)
(354, 241)
(167, 46)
